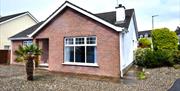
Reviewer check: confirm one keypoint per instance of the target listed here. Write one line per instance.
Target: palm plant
(27, 54)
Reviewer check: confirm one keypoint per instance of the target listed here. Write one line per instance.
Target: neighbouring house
(144, 34)
(178, 33)
(75, 40)
(13, 24)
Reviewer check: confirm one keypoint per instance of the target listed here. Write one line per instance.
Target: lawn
(13, 78)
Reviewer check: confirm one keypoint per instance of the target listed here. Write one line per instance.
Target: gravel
(13, 78)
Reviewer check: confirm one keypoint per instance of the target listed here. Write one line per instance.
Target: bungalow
(144, 34)
(13, 24)
(75, 40)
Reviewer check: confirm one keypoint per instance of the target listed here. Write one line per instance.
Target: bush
(164, 58)
(164, 39)
(140, 55)
(179, 47)
(145, 57)
(144, 43)
(177, 57)
(141, 75)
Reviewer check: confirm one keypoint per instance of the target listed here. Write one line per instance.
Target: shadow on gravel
(41, 77)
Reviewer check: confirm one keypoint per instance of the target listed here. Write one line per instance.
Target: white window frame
(66, 62)
(27, 42)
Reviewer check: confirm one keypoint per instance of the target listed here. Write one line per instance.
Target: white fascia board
(21, 38)
(27, 13)
(81, 11)
(12, 18)
(32, 17)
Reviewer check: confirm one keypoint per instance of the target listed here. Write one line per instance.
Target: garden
(162, 50)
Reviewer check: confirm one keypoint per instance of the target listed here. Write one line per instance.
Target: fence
(5, 56)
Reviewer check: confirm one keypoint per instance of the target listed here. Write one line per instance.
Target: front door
(44, 45)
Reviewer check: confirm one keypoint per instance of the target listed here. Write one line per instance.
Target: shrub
(145, 57)
(141, 75)
(144, 43)
(179, 47)
(140, 55)
(177, 57)
(164, 58)
(164, 39)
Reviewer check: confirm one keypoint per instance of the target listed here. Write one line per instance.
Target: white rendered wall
(128, 45)
(13, 27)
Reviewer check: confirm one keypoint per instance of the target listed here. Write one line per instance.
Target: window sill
(81, 64)
(45, 64)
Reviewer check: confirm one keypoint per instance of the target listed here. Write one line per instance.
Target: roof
(13, 16)
(107, 19)
(23, 34)
(144, 32)
(111, 17)
(80, 10)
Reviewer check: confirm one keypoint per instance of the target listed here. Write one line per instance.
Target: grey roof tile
(4, 18)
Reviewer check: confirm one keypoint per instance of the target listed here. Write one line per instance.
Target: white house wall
(13, 27)
(128, 45)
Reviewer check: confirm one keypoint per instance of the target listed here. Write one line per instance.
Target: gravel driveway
(13, 78)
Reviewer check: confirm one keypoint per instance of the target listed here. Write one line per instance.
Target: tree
(27, 54)
(165, 43)
(144, 43)
(163, 38)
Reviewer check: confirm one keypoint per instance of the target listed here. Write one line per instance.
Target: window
(146, 35)
(141, 36)
(6, 47)
(27, 42)
(80, 50)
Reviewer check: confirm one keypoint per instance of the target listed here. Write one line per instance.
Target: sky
(168, 11)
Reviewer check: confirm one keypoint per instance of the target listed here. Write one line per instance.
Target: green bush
(177, 57)
(145, 57)
(140, 55)
(144, 43)
(164, 39)
(164, 58)
(141, 75)
(179, 47)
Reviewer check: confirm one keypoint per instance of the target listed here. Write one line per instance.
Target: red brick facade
(70, 23)
(15, 46)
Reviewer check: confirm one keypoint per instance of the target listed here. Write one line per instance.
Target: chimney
(120, 14)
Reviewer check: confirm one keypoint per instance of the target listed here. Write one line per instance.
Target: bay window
(80, 50)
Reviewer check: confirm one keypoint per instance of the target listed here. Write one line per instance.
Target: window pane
(91, 40)
(80, 54)
(69, 41)
(69, 54)
(91, 54)
(79, 40)
(29, 42)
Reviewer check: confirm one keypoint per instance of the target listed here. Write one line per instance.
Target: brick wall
(71, 23)
(15, 46)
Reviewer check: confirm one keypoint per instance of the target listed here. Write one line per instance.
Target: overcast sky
(168, 11)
